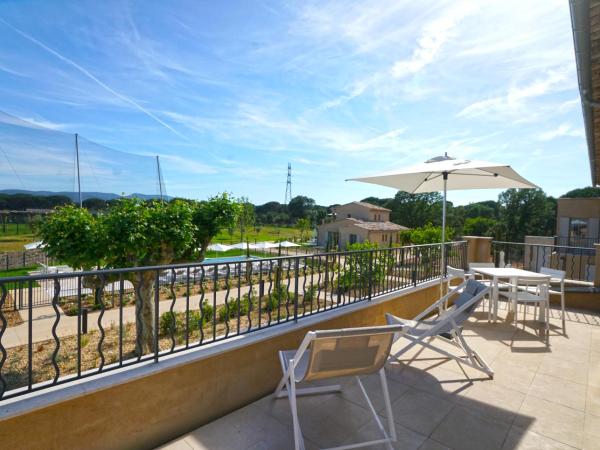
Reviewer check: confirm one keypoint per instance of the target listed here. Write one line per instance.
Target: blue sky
(227, 93)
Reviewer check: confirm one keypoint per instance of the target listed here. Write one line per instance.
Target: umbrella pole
(443, 252)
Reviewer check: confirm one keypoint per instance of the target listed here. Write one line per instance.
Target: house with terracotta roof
(359, 222)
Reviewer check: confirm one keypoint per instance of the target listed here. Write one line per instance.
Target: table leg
(494, 298)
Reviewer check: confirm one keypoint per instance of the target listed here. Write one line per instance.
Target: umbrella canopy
(444, 172)
(265, 245)
(244, 245)
(461, 174)
(219, 247)
(288, 244)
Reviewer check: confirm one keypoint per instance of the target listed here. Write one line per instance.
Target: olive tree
(135, 233)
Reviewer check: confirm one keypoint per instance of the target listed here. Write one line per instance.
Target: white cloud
(182, 164)
(563, 130)
(431, 41)
(514, 101)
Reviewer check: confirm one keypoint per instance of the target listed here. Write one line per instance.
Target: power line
(12, 168)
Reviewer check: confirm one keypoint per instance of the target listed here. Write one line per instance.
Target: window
(578, 231)
(352, 239)
(333, 239)
(384, 237)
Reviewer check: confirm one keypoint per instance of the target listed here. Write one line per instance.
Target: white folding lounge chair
(445, 326)
(453, 273)
(339, 353)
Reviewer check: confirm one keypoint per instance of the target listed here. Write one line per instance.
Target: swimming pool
(229, 259)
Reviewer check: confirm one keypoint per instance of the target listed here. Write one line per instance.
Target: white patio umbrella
(287, 244)
(444, 173)
(219, 247)
(265, 245)
(244, 246)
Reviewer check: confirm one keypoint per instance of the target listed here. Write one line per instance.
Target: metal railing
(578, 262)
(573, 241)
(93, 325)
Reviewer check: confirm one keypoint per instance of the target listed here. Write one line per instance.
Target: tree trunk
(143, 285)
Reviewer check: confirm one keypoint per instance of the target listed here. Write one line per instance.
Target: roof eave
(580, 23)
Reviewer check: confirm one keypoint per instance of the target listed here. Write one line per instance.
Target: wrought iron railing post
(156, 314)
(296, 289)
(371, 274)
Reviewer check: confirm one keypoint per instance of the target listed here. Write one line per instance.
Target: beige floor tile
(512, 376)
(435, 380)
(593, 374)
(466, 429)
(492, 401)
(564, 369)
(520, 439)
(592, 405)
(592, 426)
(351, 390)
(529, 360)
(406, 439)
(327, 423)
(559, 391)
(552, 420)
(577, 355)
(430, 444)
(178, 444)
(252, 429)
(420, 411)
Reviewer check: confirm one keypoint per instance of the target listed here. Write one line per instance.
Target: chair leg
(548, 322)
(562, 307)
(291, 388)
(388, 404)
(386, 438)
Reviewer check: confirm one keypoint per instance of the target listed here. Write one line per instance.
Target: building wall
(148, 411)
(580, 208)
(393, 237)
(361, 212)
(345, 228)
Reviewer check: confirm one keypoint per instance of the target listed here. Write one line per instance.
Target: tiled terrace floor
(540, 398)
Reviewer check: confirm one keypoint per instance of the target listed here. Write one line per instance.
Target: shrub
(207, 312)
(279, 296)
(310, 293)
(171, 323)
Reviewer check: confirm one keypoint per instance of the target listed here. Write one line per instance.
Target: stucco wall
(152, 410)
(361, 212)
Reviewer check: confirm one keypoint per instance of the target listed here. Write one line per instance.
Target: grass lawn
(264, 233)
(15, 243)
(23, 271)
(13, 228)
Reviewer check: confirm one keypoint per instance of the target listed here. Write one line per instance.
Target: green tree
(583, 192)
(428, 234)
(303, 225)
(94, 204)
(479, 226)
(525, 212)
(246, 217)
(300, 206)
(414, 210)
(135, 233)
